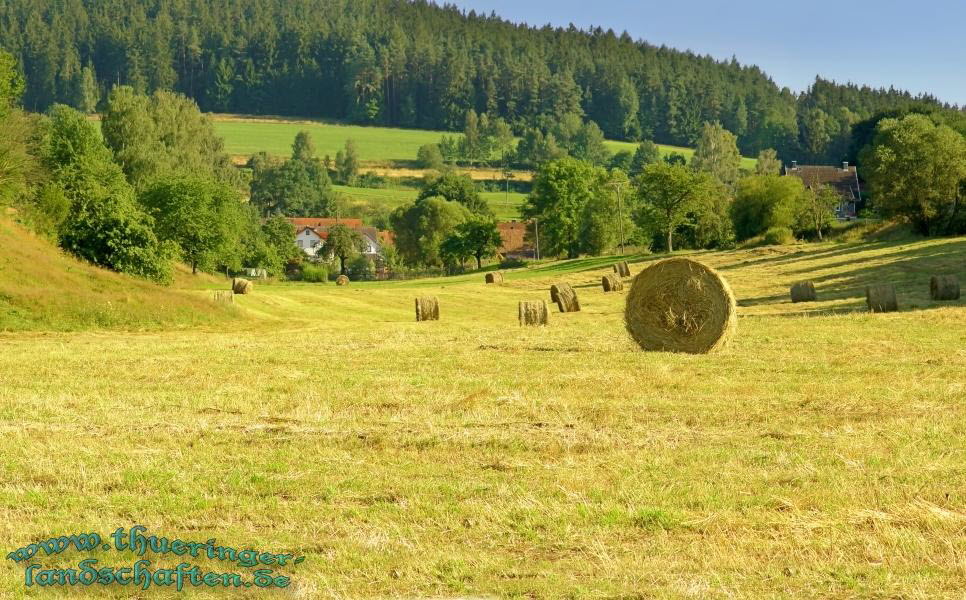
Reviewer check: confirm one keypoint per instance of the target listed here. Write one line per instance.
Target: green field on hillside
(375, 144)
(504, 206)
(819, 455)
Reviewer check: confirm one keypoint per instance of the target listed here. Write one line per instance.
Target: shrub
(512, 262)
(314, 273)
(429, 157)
(777, 236)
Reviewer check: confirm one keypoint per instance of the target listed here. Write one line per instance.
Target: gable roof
(324, 222)
(842, 179)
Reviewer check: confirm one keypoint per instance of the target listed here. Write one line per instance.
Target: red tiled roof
(320, 222)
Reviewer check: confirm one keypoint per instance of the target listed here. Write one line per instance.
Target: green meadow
(505, 206)
(819, 455)
(379, 145)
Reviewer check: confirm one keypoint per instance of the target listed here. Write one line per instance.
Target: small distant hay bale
(679, 305)
(427, 308)
(494, 277)
(342, 280)
(944, 287)
(881, 298)
(242, 286)
(804, 291)
(226, 297)
(612, 283)
(533, 313)
(622, 269)
(565, 297)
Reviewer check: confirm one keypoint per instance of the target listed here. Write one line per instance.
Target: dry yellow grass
(820, 455)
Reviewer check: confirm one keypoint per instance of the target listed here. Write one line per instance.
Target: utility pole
(618, 185)
(536, 229)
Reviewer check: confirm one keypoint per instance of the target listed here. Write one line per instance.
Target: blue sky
(917, 46)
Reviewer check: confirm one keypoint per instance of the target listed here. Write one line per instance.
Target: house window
(301, 244)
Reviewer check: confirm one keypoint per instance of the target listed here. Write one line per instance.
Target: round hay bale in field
(494, 277)
(342, 280)
(944, 287)
(881, 298)
(427, 308)
(804, 291)
(612, 283)
(242, 286)
(679, 305)
(565, 297)
(622, 269)
(533, 312)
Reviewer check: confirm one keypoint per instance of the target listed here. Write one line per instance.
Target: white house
(310, 234)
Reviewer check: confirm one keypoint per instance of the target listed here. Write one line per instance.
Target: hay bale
(679, 305)
(565, 297)
(804, 291)
(622, 269)
(342, 280)
(881, 298)
(494, 277)
(612, 283)
(226, 297)
(242, 286)
(427, 308)
(533, 313)
(944, 287)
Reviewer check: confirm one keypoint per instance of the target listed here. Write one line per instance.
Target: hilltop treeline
(416, 64)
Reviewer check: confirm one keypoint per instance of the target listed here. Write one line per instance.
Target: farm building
(844, 180)
(514, 236)
(311, 233)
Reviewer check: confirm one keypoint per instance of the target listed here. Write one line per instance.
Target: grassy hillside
(819, 455)
(505, 207)
(246, 136)
(43, 288)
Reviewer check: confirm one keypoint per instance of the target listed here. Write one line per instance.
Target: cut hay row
(804, 291)
(427, 308)
(533, 313)
(565, 297)
(224, 297)
(495, 277)
(679, 305)
(242, 286)
(612, 283)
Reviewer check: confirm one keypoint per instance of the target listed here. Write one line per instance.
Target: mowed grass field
(819, 455)
(505, 206)
(381, 145)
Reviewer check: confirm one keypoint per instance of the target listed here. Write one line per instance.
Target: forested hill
(416, 64)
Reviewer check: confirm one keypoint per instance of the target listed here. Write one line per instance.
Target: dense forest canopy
(416, 64)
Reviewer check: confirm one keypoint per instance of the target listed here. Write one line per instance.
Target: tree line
(417, 64)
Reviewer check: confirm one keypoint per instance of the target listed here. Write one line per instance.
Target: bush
(361, 268)
(777, 236)
(429, 157)
(512, 262)
(314, 273)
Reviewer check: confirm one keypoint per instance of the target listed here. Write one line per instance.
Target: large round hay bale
(612, 283)
(242, 286)
(679, 305)
(944, 287)
(565, 297)
(494, 277)
(881, 298)
(533, 312)
(427, 308)
(804, 291)
(622, 269)
(342, 280)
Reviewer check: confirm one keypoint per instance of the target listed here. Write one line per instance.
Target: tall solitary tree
(717, 154)
(343, 243)
(666, 194)
(562, 190)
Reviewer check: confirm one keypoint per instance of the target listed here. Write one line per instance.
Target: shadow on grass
(909, 269)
